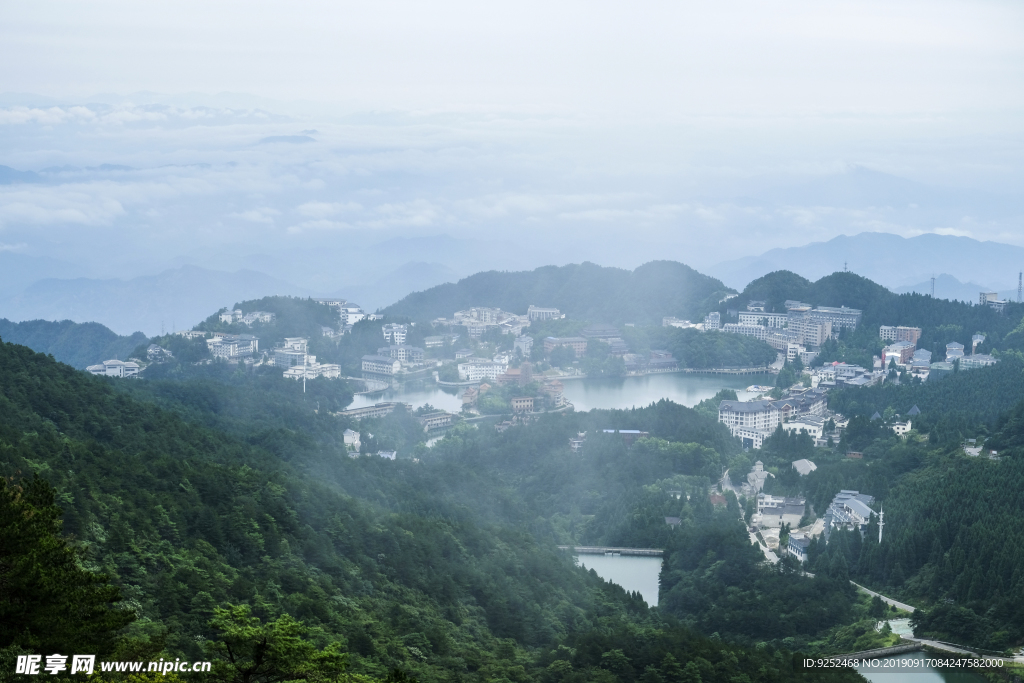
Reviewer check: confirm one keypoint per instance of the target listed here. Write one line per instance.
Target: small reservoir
(632, 572)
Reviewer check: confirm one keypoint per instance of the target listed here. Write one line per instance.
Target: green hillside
(584, 291)
(433, 567)
(77, 344)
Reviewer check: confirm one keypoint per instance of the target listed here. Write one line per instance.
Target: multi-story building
(992, 300)
(954, 350)
(907, 334)
(759, 415)
(755, 331)
(577, 344)
(769, 320)
(804, 325)
(977, 360)
(713, 321)
(250, 319)
(192, 334)
(381, 365)
(777, 510)
(463, 353)
(524, 345)
(433, 342)
(114, 368)
(438, 420)
(402, 352)
(330, 301)
(902, 352)
(374, 411)
(394, 333)
(350, 314)
(797, 546)
(849, 510)
(311, 370)
(756, 306)
(522, 404)
(476, 370)
(231, 316)
(538, 313)
(838, 317)
(233, 345)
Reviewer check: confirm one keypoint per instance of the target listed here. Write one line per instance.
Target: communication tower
(881, 523)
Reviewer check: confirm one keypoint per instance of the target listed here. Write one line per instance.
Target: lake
(925, 674)
(632, 572)
(587, 394)
(642, 390)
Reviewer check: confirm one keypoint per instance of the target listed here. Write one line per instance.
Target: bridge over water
(602, 550)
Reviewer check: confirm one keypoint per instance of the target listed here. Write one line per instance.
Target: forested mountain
(434, 567)
(584, 291)
(77, 344)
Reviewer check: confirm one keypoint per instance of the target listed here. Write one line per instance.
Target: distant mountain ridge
(887, 259)
(584, 291)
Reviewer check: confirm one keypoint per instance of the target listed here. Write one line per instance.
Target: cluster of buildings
(233, 346)
(848, 510)
(479, 319)
(754, 421)
(298, 364)
(903, 352)
(802, 326)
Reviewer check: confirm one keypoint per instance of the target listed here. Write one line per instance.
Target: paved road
(888, 601)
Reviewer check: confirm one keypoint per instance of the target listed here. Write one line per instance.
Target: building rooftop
(744, 406)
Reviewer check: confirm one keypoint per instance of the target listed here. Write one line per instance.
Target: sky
(329, 144)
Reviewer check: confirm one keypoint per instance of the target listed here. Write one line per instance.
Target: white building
(250, 319)
(777, 320)
(978, 360)
(755, 331)
(381, 365)
(954, 350)
(351, 314)
(231, 316)
(403, 352)
(233, 345)
(192, 334)
(433, 342)
(312, 370)
(394, 333)
(476, 370)
(538, 313)
(712, 321)
(811, 424)
(115, 368)
(759, 415)
(352, 442)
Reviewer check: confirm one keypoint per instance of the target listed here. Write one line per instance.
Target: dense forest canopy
(437, 568)
(585, 291)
